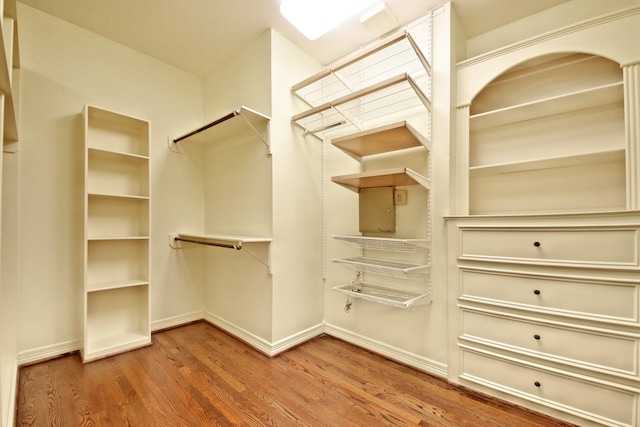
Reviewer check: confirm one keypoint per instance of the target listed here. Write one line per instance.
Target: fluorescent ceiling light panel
(313, 18)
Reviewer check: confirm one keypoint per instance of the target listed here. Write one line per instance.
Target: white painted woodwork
(543, 255)
(9, 190)
(117, 231)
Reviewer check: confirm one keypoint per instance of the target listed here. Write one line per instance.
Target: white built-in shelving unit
(543, 248)
(557, 120)
(117, 231)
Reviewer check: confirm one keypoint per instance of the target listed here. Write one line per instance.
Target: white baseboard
(175, 321)
(268, 348)
(47, 352)
(410, 359)
(260, 344)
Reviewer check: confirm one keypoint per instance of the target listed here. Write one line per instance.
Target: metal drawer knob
(536, 336)
(537, 291)
(537, 384)
(536, 244)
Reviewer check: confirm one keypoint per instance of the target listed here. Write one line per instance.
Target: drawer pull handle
(536, 244)
(536, 336)
(537, 291)
(537, 384)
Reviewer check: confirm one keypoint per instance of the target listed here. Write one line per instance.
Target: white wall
(298, 300)
(237, 197)
(64, 67)
(251, 192)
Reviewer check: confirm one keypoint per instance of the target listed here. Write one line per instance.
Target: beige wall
(64, 67)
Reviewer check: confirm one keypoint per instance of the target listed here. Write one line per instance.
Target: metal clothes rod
(200, 242)
(207, 126)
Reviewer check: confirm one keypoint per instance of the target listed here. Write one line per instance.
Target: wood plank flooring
(197, 375)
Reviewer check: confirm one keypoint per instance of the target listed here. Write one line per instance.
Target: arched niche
(548, 135)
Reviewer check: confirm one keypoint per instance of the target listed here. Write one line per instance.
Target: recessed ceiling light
(313, 18)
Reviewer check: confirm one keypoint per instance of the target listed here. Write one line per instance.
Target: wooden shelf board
(392, 137)
(602, 95)
(549, 163)
(381, 178)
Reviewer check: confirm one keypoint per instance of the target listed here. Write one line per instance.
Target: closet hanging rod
(207, 126)
(200, 242)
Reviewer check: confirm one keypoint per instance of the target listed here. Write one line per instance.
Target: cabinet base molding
(406, 358)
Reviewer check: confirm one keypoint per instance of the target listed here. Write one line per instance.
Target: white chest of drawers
(545, 311)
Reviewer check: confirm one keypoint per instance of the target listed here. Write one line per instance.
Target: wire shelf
(384, 295)
(386, 244)
(396, 94)
(397, 57)
(385, 268)
(356, 90)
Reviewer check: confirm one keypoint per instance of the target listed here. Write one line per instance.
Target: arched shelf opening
(548, 135)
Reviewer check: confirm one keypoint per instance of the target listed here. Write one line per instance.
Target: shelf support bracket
(263, 138)
(260, 260)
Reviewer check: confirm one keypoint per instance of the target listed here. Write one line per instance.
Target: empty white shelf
(383, 267)
(237, 125)
(384, 295)
(386, 243)
(115, 284)
(222, 240)
(593, 97)
(549, 163)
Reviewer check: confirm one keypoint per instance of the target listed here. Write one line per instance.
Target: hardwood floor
(197, 375)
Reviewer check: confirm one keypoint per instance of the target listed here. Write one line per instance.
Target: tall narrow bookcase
(116, 234)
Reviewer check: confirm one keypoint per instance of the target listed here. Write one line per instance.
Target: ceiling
(200, 35)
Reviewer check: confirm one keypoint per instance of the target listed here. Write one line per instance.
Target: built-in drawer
(591, 400)
(612, 354)
(600, 300)
(591, 246)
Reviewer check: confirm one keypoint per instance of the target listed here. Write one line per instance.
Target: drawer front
(602, 246)
(596, 300)
(608, 405)
(601, 352)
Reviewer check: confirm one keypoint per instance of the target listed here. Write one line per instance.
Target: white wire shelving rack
(389, 76)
